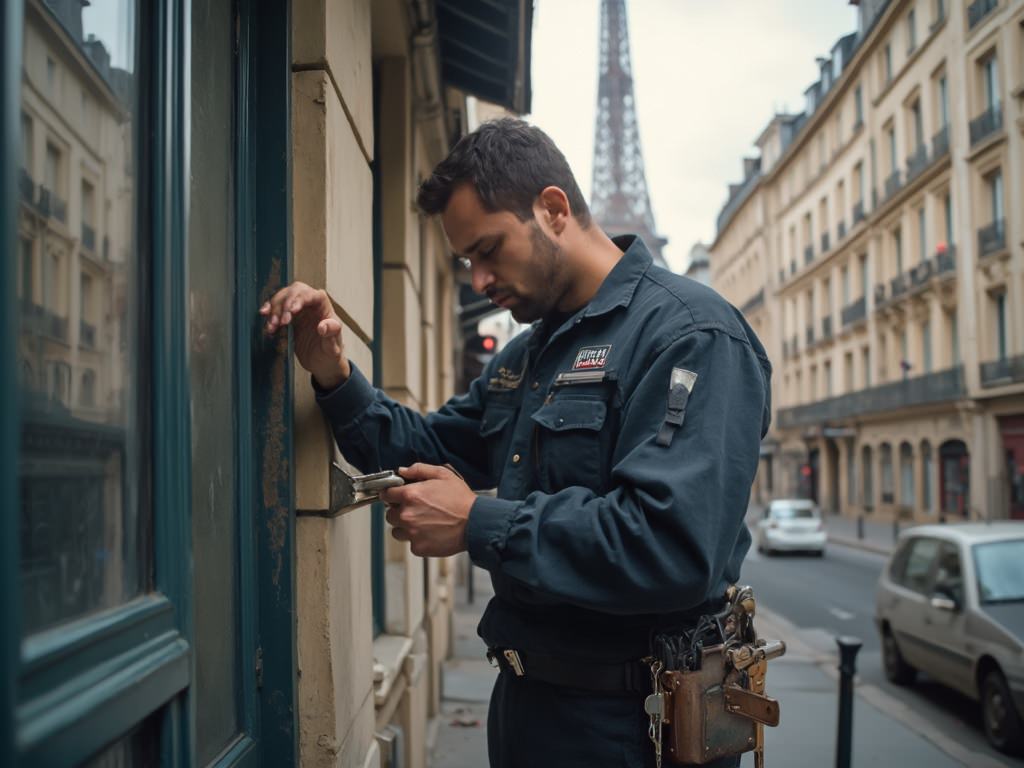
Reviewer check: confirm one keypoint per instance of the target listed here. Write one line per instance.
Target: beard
(546, 281)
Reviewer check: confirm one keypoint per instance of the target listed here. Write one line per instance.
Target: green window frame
(67, 695)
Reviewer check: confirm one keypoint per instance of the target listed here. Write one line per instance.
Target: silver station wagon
(950, 603)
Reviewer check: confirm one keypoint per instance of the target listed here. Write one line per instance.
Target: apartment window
(922, 236)
(915, 113)
(947, 207)
(26, 143)
(911, 31)
(51, 76)
(943, 88)
(88, 203)
(26, 294)
(866, 462)
(894, 162)
(845, 278)
(995, 192)
(926, 346)
(940, 11)
(1000, 308)
(86, 300)
(851, 476)
(814, 383)
(883, 357)
(906, 475)
(888, 481)
(887, 63)
(858, 181)
(954, 335)
(51, 173)
(905, 353)
(897, 244)
(865, 355)
(927, 476)
(864, 275)
(87, 395)
(990, 81)
(827, 373)
(848, 380)
(858, 107)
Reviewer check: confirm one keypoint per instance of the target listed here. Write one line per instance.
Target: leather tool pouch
(700, 728)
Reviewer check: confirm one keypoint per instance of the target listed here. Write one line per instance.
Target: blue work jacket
(620, 500)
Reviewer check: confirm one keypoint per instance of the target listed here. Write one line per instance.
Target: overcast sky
(708, 75)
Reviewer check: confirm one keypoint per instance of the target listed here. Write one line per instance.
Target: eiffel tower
(619, 201)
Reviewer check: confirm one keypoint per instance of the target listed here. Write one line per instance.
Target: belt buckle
(512, 657)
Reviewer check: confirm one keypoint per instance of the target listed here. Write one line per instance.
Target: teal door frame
(68, 693)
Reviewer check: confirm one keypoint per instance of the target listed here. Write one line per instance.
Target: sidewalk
(804, 681)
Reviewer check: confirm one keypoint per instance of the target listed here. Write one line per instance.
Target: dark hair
(509, 162)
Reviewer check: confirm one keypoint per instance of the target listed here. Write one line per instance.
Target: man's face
(513, 263)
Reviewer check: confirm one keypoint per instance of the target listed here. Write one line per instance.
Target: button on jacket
(616, 514)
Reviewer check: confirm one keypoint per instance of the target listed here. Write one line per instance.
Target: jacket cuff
(348, 400)
(487, 530)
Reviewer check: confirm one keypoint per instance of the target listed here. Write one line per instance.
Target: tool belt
(708, 701)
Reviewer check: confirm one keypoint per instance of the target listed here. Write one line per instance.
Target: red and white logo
(589, 358)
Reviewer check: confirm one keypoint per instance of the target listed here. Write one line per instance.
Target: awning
(485, 49)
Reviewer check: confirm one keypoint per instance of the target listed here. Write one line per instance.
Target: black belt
(599, 677)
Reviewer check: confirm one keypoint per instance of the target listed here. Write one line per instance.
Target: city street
(823, 598)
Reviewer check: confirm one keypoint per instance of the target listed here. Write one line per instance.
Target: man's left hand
(430, 511)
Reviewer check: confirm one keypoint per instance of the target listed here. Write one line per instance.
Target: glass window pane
(82, 514)
(211, 348)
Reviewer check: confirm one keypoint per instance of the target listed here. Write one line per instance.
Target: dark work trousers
(536, 725)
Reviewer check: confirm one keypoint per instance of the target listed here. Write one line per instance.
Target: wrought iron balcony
(992, 238)
(931, 388)
(27, 186)
(917, 162)
(808, 254)
(826, 327)
(879, 294)
(40, 321)
(858, 212)
(898, 286)
(940, 142)
(87, 334)
(945, 261)
(826, 243)
(987, 123)
(921, 273)
(840, 231)
(809, 336)
(893, 184)
(854, 312)
(88, 238)
(43, 201)
(978, 10)
(1005, 371)
(51, 205)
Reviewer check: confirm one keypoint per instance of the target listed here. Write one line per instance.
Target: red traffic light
(481, 345)
(488, 343)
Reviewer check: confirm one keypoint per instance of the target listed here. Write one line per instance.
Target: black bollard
(860, 526)
(848, 647)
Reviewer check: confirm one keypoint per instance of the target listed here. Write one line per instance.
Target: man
(621, 432)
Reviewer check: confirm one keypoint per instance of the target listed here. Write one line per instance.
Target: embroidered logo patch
(591, 357)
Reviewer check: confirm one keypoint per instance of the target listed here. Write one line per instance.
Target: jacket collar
(618, 288)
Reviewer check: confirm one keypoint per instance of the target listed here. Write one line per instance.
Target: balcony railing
(51, 205)
(930, 388)
(808, 254)
(86, 334)
(1005, 371)
(826, 327)
(809, 336)
(88, 238)
(992, 238)
(945, 261)
(898, 286)
(978, 10)
(26, 186)
(858, 212)
(826, 243)
(879, 294)
(940, 142)
(854, 312)
(892, 184)
(840, 231)
(753, 303)
(41, 321)
(921, 273)
(917, 162)
(987, 123)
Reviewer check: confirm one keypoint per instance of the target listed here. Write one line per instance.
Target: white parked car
(791, 525)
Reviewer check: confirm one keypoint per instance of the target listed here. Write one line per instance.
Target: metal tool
(349, 492)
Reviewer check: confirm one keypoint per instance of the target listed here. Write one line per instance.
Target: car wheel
(897, 670)
(1002, 721)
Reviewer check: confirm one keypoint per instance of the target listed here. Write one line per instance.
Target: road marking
(840, 614)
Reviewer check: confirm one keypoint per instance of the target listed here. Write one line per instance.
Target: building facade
(177, 588)
(876, 244)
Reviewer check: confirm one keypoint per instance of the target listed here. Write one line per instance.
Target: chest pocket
(496, 430)
(572, 443)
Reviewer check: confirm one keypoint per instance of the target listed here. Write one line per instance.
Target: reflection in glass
(77, 269)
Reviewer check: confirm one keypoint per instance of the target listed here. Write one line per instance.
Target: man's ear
(552, 209)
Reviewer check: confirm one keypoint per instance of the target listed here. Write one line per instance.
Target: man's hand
(430, 511)
(316, 331)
